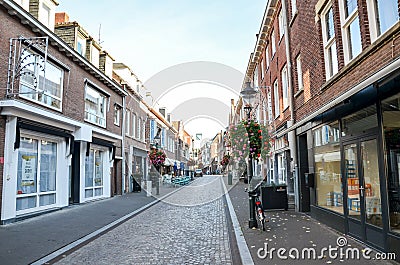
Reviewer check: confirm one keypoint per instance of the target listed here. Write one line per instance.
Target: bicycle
(258, 205)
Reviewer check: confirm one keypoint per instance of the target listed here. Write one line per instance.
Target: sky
(152, 35)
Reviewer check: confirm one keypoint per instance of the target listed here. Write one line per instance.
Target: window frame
(346, 22)
(285, 87)
(106, 97)
(373, 18)
(273, 44)
(294, 7)
(281, 23)
(38, 90)
(299, 71)
(117, 115)
(331, 64)
(277, 107)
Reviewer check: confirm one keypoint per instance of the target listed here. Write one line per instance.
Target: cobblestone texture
(190, 227)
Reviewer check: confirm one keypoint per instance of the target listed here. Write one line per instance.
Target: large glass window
(350, 29)
(94, 174)
(329, 41)
(36, 174)
(327, 167)
(95, 106)
(391, 125)
(42, 85)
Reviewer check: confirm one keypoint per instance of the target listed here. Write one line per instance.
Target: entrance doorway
(364, 206)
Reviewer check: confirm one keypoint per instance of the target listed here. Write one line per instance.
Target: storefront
(349, 159)
(36, 167)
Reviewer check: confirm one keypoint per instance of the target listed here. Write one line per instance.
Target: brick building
(59, 141)
(343, 121)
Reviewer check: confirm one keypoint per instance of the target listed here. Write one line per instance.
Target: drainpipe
(123, 141)
(291, 134)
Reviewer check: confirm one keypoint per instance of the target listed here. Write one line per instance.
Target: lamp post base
(252, 219)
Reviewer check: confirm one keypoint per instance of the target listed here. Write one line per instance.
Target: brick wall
(66, 33)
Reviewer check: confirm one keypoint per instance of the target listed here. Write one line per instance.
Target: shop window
(382, 14)
(94, 174)
(41, 85)
(95, 106)
(391, 125)
(36, 174)
(350, 29)
(329, 42)
(327, 167)
(360, 122)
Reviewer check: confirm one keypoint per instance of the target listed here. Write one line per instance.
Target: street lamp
(249, 94)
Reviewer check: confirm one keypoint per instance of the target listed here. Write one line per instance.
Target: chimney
(62, 17)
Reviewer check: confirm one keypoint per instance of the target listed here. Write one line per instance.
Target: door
(364, 210)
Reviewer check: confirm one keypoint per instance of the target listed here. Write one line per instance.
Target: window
(95, 56)
(294, 7)
(128, 124)
(266, 58)
(139, 128)
(143, 130)
(134, 132)
(282, 176)
(328, 35)
(95, 106)
(350, 29)
(94, 174)
(273, 47)
(36, 175)
(382, 14)
(281, 24)
(44, 15)
(276, 99)
(117, 114)
(262, 68)
(255, 77)
(327, 167)
(43, 86)
(285, 87)
(300, 85)
(81, 45)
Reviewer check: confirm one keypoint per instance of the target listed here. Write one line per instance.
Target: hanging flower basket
(157, 157)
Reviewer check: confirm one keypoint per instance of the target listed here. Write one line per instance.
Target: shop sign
(28, 170)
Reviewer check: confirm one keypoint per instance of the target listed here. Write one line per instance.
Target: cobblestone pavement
(189, 227)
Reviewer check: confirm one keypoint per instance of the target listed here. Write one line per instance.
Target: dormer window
(81, 45)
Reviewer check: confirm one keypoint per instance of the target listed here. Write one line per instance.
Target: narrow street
(188, 227)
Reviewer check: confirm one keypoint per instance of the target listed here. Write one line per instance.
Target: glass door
(364, 210)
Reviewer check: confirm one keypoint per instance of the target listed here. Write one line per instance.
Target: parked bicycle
(258, 205)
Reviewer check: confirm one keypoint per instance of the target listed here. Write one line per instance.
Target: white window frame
(134, 132)
(103, 157)
(139, 128)
(266, 57)
(373, 17)
(88, 115)
(330, 50)
(273, 45)
(45, 14)
(277, 108)
(81, 40)
(127, 122)
(262, 68)
(255, 77)
(346, 23)
(41, 91)
(299, 70)
(281, 24)
(117, 115)
(294, 7)
(285, 87)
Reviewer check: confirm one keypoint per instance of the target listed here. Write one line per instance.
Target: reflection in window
(95, 106)
(391, 125)
(327, 167)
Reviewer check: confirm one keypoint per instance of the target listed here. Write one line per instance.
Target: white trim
(18, 108)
